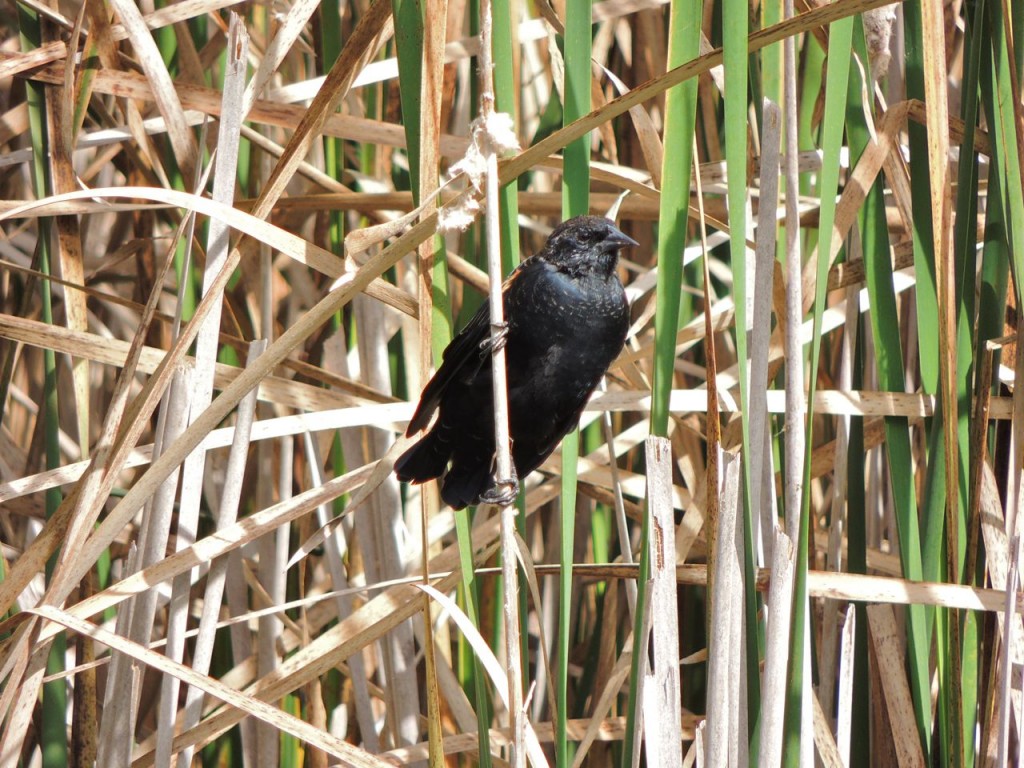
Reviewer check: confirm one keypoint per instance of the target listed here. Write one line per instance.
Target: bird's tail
(466, 482)
(424, 461)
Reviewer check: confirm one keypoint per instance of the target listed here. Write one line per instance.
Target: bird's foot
(498, 338)
(503, 493)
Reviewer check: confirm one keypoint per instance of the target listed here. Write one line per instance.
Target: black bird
(567, 319)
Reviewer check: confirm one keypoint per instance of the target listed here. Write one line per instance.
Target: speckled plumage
(567, 319)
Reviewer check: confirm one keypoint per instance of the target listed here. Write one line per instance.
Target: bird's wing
(528, 455)
(462, 358)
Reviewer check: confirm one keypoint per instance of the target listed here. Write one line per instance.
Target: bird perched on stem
(567, 317)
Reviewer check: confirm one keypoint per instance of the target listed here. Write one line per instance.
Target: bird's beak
(617, 240)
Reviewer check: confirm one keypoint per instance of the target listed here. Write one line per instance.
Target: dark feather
(567, 319)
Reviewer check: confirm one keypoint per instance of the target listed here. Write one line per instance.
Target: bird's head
(585, 244)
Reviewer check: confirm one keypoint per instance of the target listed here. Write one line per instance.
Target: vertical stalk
(53, 739)
(501, 430)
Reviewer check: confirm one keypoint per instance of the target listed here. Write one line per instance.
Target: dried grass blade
(334, 549)
(595, 724)
(253, 226)
(545, 686)
(73, 521)
(380, 521)
(176, 13)
(933, 26)
(777, 638)
(822, 15)
(122, 693)
(368, 625)
(248, 379)
(762, 496)
(185, 150)
(662, 689)
(490, 663)
(828, 753)
(361, 45)
(844, 707)
(12, 64)
(61, 120)
(646, 132)
(1000, 560)
(723, 709)
(223, 542)
(887, 639)
(201, 393)
(227, 511)
(130, 85)
(235, 700)
(288, 31)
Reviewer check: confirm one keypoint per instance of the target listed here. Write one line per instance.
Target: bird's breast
(569, 302)
(566, 327)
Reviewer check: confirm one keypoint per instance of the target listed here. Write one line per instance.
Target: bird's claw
(503, 493)
(498, 338)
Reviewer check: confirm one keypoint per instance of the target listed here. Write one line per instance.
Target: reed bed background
(237, 236)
